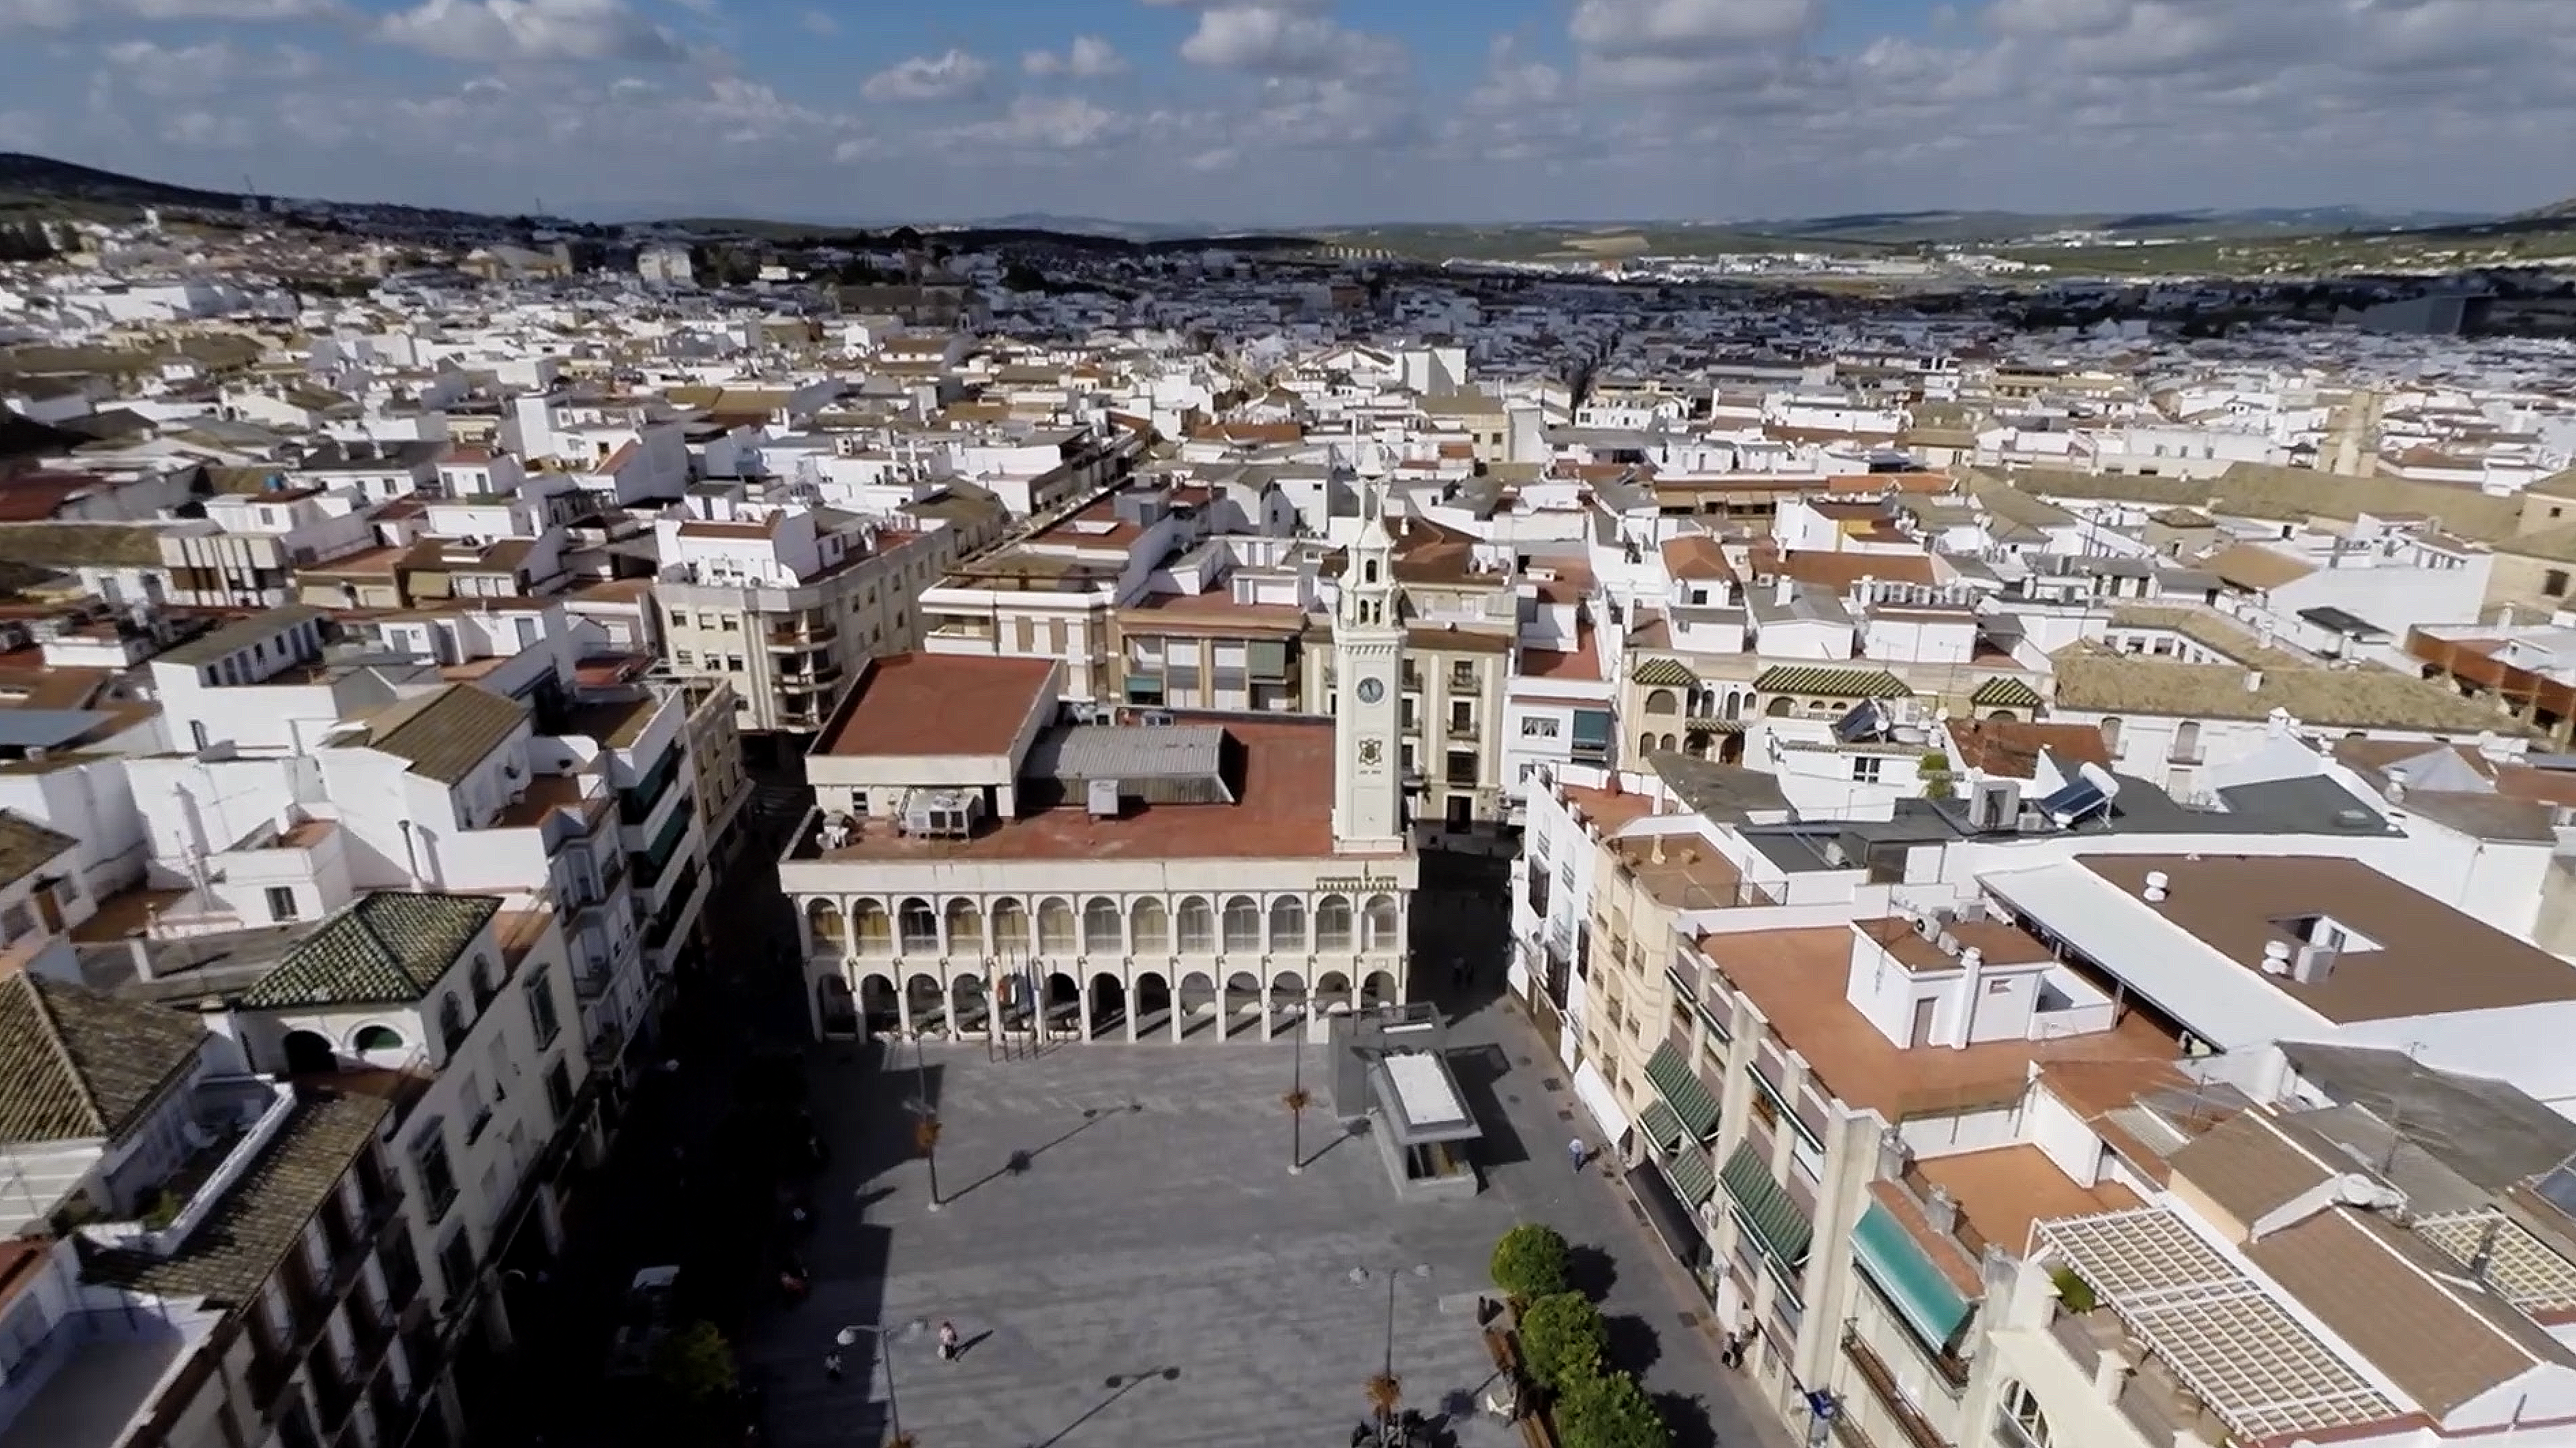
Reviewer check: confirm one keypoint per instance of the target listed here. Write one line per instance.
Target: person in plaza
(948, 1342)
(1579, 1152)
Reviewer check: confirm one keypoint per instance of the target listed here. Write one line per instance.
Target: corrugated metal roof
(1160, 764)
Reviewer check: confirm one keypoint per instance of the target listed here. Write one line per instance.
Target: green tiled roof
(1667, 673)
(443, 734)
(1766, 1206)
(1661, 1126)
(2005, 692)
(388, 948)
(1682, 1089)
(242, 1241)
(1824, 682)
(1689, 1172)
(76, 1064)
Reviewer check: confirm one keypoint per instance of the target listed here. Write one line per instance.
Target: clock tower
(1368, 675)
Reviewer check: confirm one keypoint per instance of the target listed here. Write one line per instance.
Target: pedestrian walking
(948, 1342)
(832, 1366)
(1579, 1152)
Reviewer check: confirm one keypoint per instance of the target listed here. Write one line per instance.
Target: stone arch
(1063, 1004)
(916, 926)
(1010, 926)
(1103, 926)
(1734, 708)
(1242, 1003)
(1108, 1005)
(309, 1052)
(1779, 708)
(1646, 743)
(1196, 926)
(970, 1004)
(924, 1003)
(374, 1039)
(1333, 994)
(877, 1011)
(1696, 746)
(825, 927)
(871, 929)
(1287, 1001)
(1668, 743)
(2111, 738)
(2005, 716)
(1378, 989)
(1333, 923)
(1153, 1005)
(1662, 701)
(1288, 923)
(1197, 1002)
(1242, 924)
(965, 923)
(1149, 927)
(1385, 923)
(1018, 999)
(1055, 926)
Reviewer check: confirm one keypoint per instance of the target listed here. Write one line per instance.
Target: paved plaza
(1130, 1261)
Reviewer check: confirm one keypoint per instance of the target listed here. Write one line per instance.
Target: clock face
(1372, 690)
(1371, 751)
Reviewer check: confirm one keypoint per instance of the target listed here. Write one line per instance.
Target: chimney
(1972, 988)
(2276, 957)
(1940, 1213)
(1891, 1153)
(1785, 591)
(2159, 885)
(2253, 681)
(2395, 789)
(140, 949)
(2110, 1371)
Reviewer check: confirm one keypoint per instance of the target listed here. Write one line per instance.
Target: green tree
(1608, 1411)
(1531, 1262)
(1563, 1339)
(1935, 769)
(1019, 276)
(695, 1363)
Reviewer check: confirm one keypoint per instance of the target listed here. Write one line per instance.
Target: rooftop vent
(1101, 798)
(2159, 885)
(2276, 957)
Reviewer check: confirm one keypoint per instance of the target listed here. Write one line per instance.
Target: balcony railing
(1910, 1422)
(800, 640)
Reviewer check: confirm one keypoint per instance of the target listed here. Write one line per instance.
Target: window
(456, 1264)
(1534, 726)
(2020, 1419)
(2555, 583)
(1102, 924)
(1333, 923)
(1462, 768)
(451, 1022)
(376, 1038)
(732, 624)
(1383, 932)
(1242, 925)
(429, 1164)
(1663, 701)
(1462, 673)
(1462, 717)
(685, 658)
(1865, 768)
(559, 1090)
(478, 1113)
(1055, 926)
(918, 926)
(541, 1007)
(281, 902)
(733, 663)
(1287, 923)
(1198, 925)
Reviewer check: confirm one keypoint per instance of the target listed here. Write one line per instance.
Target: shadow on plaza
(1686, 1417)
(1119, 1386)
(1480, 1072)
(1020, 1161)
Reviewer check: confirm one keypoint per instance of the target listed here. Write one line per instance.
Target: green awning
(1909, 1279)
(1661, 1126)
(1680, 1086)
(1688, 1171)
(2005, 692)
(1766, 1208)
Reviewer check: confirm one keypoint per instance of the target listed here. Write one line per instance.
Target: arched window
(871, 932)
(1100, 925)
(2111, 739)
(485, 987)
(371, 1039)
(1055, 925)
(1778, 708)
(2186, 745)
(451, 1022)
(824, 923)
(1735, 706)
(1149, 927)
(1646, 743)
(1198, 924)
(1668, 742)
(1242, 924)
(1010, 926)
(1661, 701)
(1287, 923)
(2019, 1415)
(965, 927)
(1384, 931)
(919, 926)
(1333, 923)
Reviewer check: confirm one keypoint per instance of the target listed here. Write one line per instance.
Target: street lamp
(1297, 1100)
(1386, 1390)
(849, 1337)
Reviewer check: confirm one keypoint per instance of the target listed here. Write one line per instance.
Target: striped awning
(1681, 1088)
(1661, 1126)
(1767, 1209)
(1665, 673)
(1692, 1178)
(2005, 692)
(1818, 681)
(1714, 726)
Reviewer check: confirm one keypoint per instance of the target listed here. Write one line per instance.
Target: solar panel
(1861, 721)
(2558, 1188)
(2076, 801)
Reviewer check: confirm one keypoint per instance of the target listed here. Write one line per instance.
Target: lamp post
(849, 1337)
(1297, 1100)
(1386, 1390)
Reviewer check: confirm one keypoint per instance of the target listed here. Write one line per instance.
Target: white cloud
(953, 75)
(1666, 27)
(1045, 123)
(63, 15)
(1088, 58)
(1287, 40)
(528, 30)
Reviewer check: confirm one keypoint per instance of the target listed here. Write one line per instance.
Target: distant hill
(43, 178)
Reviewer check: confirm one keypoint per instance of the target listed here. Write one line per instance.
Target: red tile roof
(940, 704)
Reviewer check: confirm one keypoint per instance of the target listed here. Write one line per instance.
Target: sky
(1288, 113)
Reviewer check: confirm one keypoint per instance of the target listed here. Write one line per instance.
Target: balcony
(818, 680)
(802, 640)
(1911, 1425)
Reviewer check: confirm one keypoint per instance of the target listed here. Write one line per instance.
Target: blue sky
(1308, 112)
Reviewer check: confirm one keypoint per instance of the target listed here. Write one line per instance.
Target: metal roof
(1161, 764)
